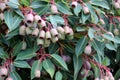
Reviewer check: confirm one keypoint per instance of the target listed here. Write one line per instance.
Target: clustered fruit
(116, 4)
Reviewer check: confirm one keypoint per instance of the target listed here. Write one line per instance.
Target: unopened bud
(70, 37)
(61, 36)
(2, 6)
(66, 58)
(54, 8)
(96, 78)
(42, 23)
(1, 16)
(60, 30)
(67, 30)
(22, 30)
(40, 42)
(116, 31)
(35, 32)
(48, 35)
(24, 45)
(116, 5)
(106, 78)
(71, 32)
(118, 1)
(28, 30)
(74, 4)
(88, 49)
(3, 71)
(29, 18)
(42, 34)
(102, 21)
(37, 18)
(54, 39)
(46, 43)
(54, 32)
(9, 78)
(87, 65)
(37, 73)
(86, 10)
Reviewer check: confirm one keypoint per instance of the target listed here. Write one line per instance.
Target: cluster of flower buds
(116, 4)
(108, 76)
(88, 50)
(37, 27)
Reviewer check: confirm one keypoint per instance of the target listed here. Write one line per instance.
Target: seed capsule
(48, 35)
(2, 6)
(3, 71)
(87, 49)
(40, 42)
(54, 32)
(28, 31)
(37, 73)
(116, 5)
(74, 4)
(9, 78)
(22, 30)
(60, 30)
(102, 21)
(86, 10)
(29, 18)
(67, 30)
(35, 32)
(54, 39)
(24, 46)
(54, 8)
(37, 18)
(116, 31)
(42, 34)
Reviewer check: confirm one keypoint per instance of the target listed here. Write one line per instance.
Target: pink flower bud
(71, 32)
(54, 8)
(61, 36)
(118, 1)
(37, 73)
(106, 78)
(3, 71)
(67, 30)
(88, 49)
(42, 34)
(22, 30)
(35, 32)
(60, 30)
(46, 43)
(96, 78)
(116, 5)
(2, 6)
(48, 35)
(24, 46)
(87, 65)
(86, 10)
(102, 21)
(29, 18)
(9, 78)
(54, 32)
(54, 39)
(28, 30)
(1, 16)
(116, 31)
(40, 42)
(74, 4)
(37, 18)
(42, 23)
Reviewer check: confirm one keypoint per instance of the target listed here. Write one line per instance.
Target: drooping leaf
(21, 64)
(91, 33)
(58, 76)
(77, 9)
(13, 3)
(15, 75)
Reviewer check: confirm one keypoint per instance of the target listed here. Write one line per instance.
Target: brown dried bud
(42, 34)
(3, 71)
(48, 35)
(37, 73)
(29, 18)
(86, 10)
(54, 8)
(9, 78)
(22, 30)
(67, 30)
(40, 42)
(24, 46)
(116, 31)
(54, 32)
(35, 32)
(116, 5)
(88, 49)
(28, 30)
(37, 18)
(74, 4)
(54, 39)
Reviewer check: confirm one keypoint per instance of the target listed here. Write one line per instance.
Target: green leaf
(43, 10)
(27, 54)
(21, 64)
(81, 45)
(63, 8)
(77, 65)
(117, 74)
(49, 67)
(110, 46)
(37, 65)
(25, 2)
(53, 48)
(118, 55)
(77, 9)
(17, 48)
(59, 60)
(3, 54)
(84, 18)
(12, 22)
(15, 75)
(91, 33)
(100, 3)
(13, 3)
(106, 61)
(58, 76)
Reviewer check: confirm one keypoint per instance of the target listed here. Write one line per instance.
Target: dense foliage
(59, 39)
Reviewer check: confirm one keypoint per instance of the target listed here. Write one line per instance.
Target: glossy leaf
(21, 64)
(77, 9)
(58, 76)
